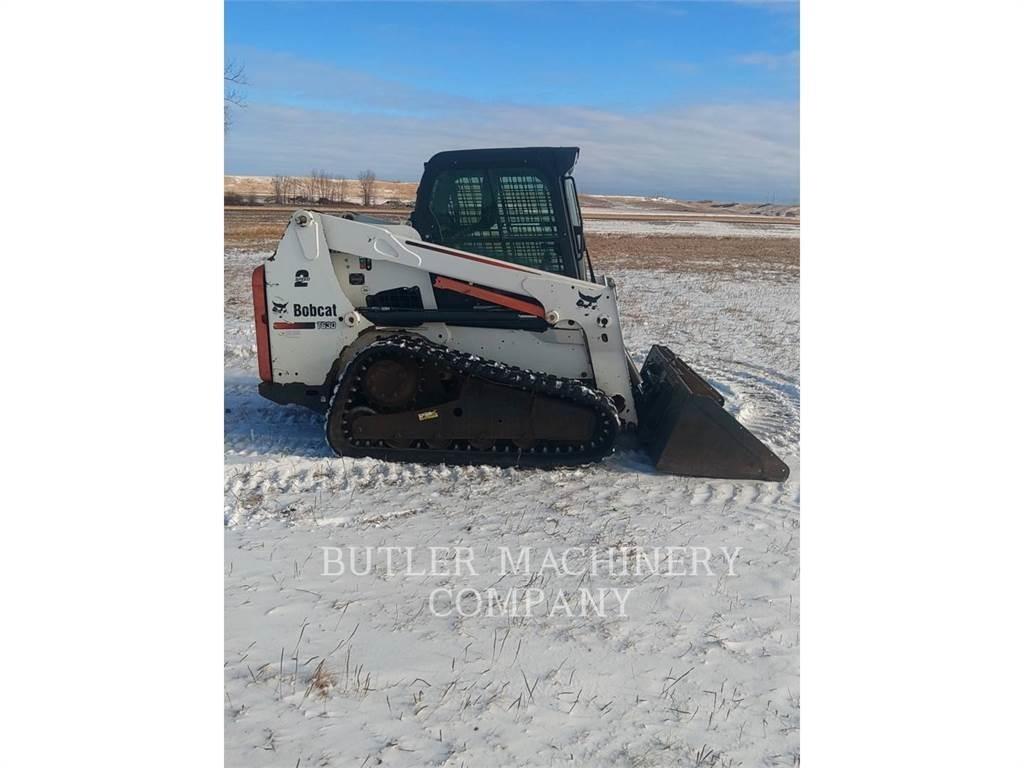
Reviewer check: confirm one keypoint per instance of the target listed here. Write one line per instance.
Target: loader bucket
(687, 431)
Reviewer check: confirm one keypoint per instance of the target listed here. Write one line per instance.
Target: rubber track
(540, 455)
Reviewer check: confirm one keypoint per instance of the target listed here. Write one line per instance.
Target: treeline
(319, 187)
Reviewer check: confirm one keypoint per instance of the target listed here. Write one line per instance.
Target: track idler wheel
(390, 384)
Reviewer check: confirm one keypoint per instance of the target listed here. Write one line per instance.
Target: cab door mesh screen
(504, 214)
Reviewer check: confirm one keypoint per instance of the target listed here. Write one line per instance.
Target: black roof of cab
(556, 160)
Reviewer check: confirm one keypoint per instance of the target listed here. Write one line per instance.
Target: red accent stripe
(470, 256)
(523, 306)
(283, 326)
(259, 306)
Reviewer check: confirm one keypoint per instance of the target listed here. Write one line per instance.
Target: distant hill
(637, 204)
(260, 189)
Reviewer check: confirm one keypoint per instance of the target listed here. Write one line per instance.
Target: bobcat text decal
(315, 310)
(306, 310)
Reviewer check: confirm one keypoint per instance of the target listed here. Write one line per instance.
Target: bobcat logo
(280, 307)
(587, 302)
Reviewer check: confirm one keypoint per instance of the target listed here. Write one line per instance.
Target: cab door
(512, 214)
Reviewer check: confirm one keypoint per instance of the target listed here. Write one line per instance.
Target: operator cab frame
(513, 204)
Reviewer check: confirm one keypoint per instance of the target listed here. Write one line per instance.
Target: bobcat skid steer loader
(479, 333)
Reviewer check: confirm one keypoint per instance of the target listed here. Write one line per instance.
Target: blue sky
(688, 99)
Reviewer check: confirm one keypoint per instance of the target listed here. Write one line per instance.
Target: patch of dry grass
(695, 254)
(261, 228)
(322, 681)
(254, 228)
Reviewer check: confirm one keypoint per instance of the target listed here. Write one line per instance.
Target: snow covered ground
(697, 228)
(340, 670)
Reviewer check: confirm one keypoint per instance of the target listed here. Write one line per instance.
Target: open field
(255, 227)
(748, 227)
(669, 206)
(738, 255)
(261, 227)
(701, 670)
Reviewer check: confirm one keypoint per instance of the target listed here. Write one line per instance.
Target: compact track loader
(478, 333)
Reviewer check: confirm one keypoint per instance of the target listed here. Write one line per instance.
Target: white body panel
(313, 317)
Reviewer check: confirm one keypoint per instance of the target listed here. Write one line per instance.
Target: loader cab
(516, 204)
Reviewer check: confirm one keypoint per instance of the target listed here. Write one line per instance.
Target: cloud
(664, 8)
(771, 61)
(318, 116)
(679, 67)
(276, 77)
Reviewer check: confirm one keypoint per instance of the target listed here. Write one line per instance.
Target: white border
(911, 178)
(113, 358)
(112, 355)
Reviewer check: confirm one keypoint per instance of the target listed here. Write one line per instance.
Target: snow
(697, 228)
(670, 215)
(699, 664)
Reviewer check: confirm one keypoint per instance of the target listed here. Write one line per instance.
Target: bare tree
(312, 187)
(282, 189)
(295, 185)
(308, 189)
(318, 186)
(234, 96)
(367, 182)
(336, 189)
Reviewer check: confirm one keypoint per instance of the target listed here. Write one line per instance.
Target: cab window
(506, 214)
